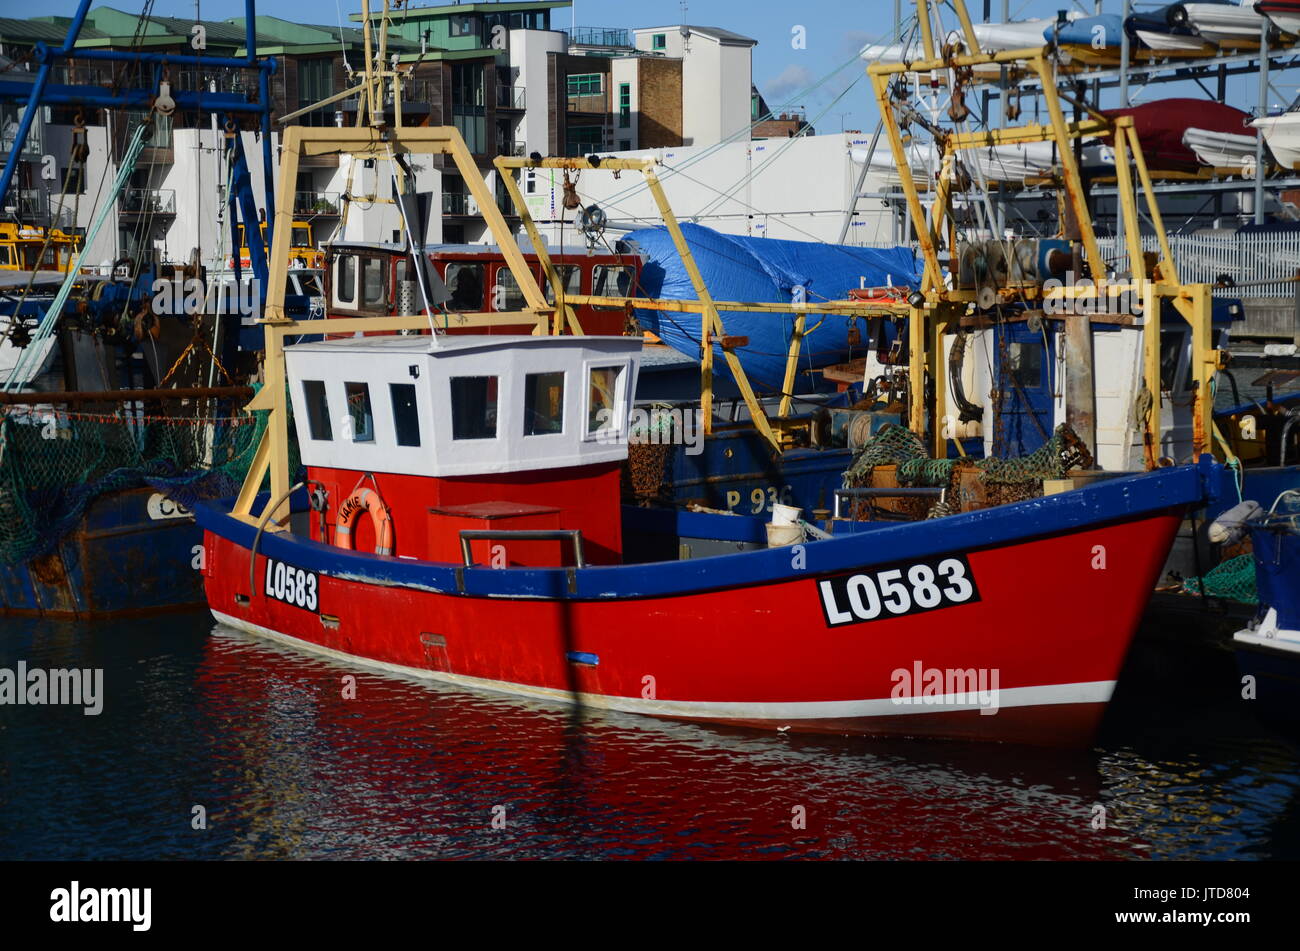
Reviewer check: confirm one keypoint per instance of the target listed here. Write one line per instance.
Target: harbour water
(285, 765)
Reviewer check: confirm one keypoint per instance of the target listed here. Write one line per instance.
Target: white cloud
(791, 80)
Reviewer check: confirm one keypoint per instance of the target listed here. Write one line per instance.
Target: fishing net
(1005, 480)
(1233, 580)
(55, 463)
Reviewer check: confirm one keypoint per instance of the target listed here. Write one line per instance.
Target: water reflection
(263, 738)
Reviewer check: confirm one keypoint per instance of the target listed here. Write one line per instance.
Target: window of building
(602, 399)
(571, 275)
(318, 410)
(530, 182)
(583, 140)
(624, 105)
(625, 145)
(659, 41)
(586, 84)
(372, 282)
(406, 414)
(473, 407)
(345, 279)
(465, 281)
(467, 106)
(543, 404)
(610, 282)
(359, 412)
(316, 82)
(464, 25)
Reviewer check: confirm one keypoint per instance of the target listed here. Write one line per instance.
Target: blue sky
(833, 29)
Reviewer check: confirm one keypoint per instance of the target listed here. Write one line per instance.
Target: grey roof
(725, 37)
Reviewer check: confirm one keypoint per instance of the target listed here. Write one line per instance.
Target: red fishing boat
(461, 520)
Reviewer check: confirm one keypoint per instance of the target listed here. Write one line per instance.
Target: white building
(798, 189)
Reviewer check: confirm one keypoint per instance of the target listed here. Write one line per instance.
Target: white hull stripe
(1098, 691)
(1283, 640)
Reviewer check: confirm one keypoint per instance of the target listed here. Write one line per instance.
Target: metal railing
(316, 203)
(573, 535)
(512, 148)
(511, 97)
(454, 203)
(1263, 264)
(1257, 265)
(599, 36)
(148, 201)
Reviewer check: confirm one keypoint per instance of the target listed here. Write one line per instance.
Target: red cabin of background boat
(363, 279)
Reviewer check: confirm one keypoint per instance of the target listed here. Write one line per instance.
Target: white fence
(1260, 265)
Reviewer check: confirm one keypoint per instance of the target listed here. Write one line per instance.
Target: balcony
(316, 203)
(454, 203)
(28, 204)
(516, 149)
(511, 97)
(148, 201)
(600, 36)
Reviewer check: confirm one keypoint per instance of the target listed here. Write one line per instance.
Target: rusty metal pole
(1080, 393)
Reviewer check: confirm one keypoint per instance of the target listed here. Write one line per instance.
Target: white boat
(1171, 42)
(1282, 135)
(999, 163)
(1223, 22)
(1223, 149)
(1285, 14)
(992, 37)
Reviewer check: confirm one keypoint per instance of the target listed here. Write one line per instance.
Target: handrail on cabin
(522, 534)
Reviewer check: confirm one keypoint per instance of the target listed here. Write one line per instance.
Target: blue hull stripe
(1115, 500)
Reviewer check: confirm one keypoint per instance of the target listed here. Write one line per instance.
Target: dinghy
(1223, 149)
(1285, 14)
(1224, 23)
(1162, 31)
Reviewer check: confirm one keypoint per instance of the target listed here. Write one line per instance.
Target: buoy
(364, 500)
(1231, 525)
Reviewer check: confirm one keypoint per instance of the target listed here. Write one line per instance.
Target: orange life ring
(364, 500)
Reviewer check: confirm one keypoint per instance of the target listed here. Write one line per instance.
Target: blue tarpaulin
(765, 270)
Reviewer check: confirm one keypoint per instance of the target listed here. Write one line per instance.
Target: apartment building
(511, 78)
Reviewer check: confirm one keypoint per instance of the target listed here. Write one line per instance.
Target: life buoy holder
(364, 500)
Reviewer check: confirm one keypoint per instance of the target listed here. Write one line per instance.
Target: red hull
(1053, 619)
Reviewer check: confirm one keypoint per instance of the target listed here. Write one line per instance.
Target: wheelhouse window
(659, 41)
(602, 400)
(360, 416)
(1026, 364)
(465, 281)
(611, 282)
(318, 410)
(406, 414)
(571, 275)
(345, 279)
(372, 282)
(474, 407)
(509, 296)
(543, 404)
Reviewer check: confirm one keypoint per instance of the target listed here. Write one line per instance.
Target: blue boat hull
(118, 561)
